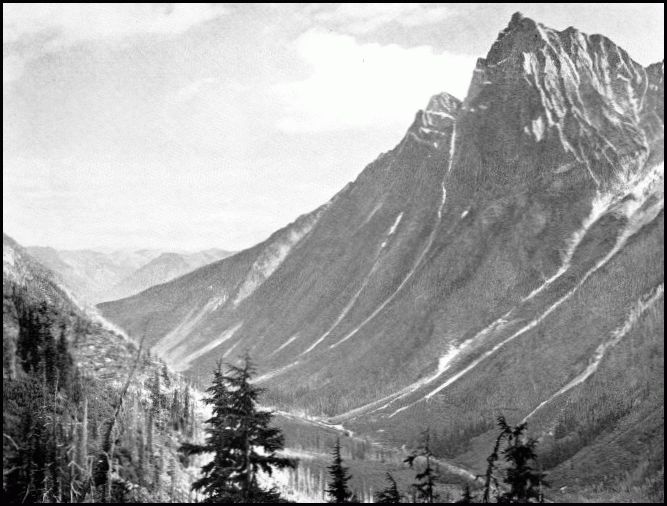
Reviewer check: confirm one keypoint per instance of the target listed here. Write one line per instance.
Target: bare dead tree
(109, 442)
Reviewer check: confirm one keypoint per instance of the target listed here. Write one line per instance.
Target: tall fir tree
(156, 396)
(425, 479)
(390, 495)
(524, 482)
(241, 439)
(50, 355)
(337, 489)
(64, 361)
(490, 480)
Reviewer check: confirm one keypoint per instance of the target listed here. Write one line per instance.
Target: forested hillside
(88, 415)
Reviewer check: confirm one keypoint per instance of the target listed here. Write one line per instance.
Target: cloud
(29, 30)
(12, 67)
(192, 89)
(356, 85)
(208, 114)
(366, 17)
(68, 23)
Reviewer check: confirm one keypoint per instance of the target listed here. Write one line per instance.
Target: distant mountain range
(100, 275)
(505, 257)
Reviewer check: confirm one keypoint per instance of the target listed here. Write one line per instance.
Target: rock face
(567, 95)
(505, 256)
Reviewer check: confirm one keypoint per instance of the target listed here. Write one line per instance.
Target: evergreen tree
(185, 413)
(64, 362)
(337, 488)
(28, 346)
(50, 355)
(524, 482)
(425, 484)
(175, 411)
(489, 478)
(241, 439)
(389, 494)
(155, 393)
(165, 375)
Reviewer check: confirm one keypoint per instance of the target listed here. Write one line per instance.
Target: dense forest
(88, 416)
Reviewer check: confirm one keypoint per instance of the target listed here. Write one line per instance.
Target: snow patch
(372, 213)
(639, 212)
(647, 202)
(274, 373)
(355, 297)
(227, 353)
(537, 127)
(599, 207)
(395, 225)
(285, 344)
(421, 255)
(637, 311)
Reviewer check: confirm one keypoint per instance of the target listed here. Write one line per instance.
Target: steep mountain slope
(161, 269)
(84, 401)
(106, 275)
(497, 260)
(371, 230)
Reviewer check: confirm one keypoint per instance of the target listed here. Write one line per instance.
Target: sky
(190, 126)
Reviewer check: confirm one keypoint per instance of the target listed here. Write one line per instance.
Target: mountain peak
(565, 90)
(437, 118)
(519, 22)
(521, 34)
(517, 17)
(443, 102)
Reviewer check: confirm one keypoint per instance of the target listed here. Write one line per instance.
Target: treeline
(70, 436)
(517, 481)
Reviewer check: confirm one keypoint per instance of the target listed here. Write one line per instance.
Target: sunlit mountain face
(506, 256)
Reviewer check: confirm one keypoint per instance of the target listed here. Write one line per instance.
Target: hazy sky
(199, 125)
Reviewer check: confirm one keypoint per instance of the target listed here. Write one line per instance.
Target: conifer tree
(524, 482)
(185, 412)
(155, 393)
(64, 361)
(175, 411)
(337, 488)
(50, 354)
(241, 439)
(28, 346)
(165, 375)
(389, 494)
(489, 478)
(425, 484)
